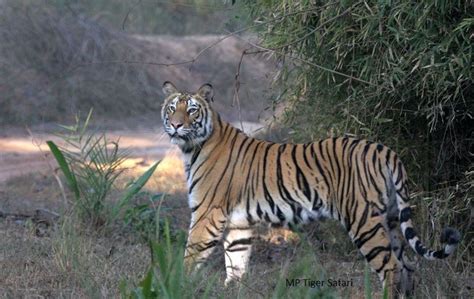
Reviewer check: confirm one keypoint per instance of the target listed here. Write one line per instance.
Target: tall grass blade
(367, 285)
(134, 188)
(70, 177)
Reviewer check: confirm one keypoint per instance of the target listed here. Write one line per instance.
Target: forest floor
(49, 260)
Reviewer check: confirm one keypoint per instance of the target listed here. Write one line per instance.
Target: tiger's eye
(171, 109)
(192, 110)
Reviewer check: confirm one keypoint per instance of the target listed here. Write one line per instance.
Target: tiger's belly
(279, 212)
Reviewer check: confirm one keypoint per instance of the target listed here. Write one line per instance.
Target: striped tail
(450, 236)
(398, 182)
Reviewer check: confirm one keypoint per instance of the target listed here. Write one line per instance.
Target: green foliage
(135, 187)
(70, 178)
(144, 218)
(91, 163)
(398, 72)
(367, 284)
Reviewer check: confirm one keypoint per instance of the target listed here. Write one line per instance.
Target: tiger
(235, 181)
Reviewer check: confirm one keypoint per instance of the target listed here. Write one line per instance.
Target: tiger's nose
(176, 124)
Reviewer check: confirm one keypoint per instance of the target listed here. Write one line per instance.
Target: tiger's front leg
(205, 232)
(238, 246)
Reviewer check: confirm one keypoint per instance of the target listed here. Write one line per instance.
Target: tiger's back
(235, 181)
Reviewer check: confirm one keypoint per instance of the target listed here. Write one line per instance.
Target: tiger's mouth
(180, 135)
(179, 138)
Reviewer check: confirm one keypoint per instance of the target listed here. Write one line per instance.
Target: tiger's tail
(449, 236)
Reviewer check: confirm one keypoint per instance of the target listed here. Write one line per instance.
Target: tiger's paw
(230, 282)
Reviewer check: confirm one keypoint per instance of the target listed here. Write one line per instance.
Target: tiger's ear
(168, 88)
(206, 92)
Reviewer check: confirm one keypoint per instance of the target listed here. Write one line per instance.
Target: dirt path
(21, 154)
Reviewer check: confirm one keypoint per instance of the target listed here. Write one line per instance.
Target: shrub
(91, 163)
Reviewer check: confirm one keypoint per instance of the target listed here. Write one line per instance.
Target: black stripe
(300, 176)
(384, 263)
(206, 246)
(214, 235)
(420, 249)
(267, 195)
(237, 249)
(366, 236)
(405, 215)
(267, 219)
(336, 158)
(440, 254)
(376, 251)
(244, 241)
(239, 152)
(280, 214)
(354, 212)
(305, 148)
(362, 220)
(251, 166)
(195, 156)
(193, 209)
(399, 176)
(320, 169)
(409, 233)
(193, 184)
(329, 160)
(259, 211)
(229, 160)
(283, 191)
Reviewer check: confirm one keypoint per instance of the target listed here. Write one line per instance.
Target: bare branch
(128, 13)
(262, 48)
(278, 19)
(236, 98)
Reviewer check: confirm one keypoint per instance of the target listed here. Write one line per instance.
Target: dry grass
(69, 266)
(70, 261)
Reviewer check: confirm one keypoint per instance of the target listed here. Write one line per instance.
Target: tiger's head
(187, 117)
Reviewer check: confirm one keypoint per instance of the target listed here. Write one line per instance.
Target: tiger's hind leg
(374, 242)
(399, 246)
